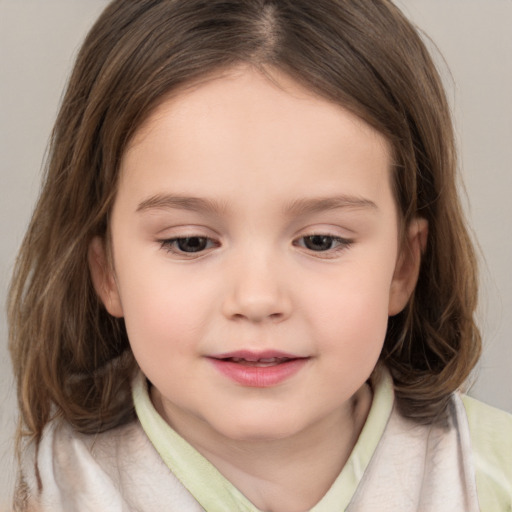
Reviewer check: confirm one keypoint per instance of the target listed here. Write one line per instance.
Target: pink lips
(258, 369)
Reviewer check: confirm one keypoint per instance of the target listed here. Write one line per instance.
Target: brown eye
(191, 244)
(319, 242)
(322, 245)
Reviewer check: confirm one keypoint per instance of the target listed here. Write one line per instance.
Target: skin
(273, 164)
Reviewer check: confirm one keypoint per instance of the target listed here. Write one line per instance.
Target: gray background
(39, 38)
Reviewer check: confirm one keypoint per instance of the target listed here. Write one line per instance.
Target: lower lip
(259, 376)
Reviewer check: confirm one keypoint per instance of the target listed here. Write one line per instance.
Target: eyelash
(171, 245)
(342, 244)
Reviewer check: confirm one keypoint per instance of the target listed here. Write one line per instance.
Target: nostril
(256, 315)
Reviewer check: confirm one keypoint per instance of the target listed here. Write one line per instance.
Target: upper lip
(250, 355)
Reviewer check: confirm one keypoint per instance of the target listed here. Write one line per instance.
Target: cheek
(161, 312)
(352, 315)
(358, 322)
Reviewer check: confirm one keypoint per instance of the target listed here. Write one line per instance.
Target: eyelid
(168, 245)
(343, 244)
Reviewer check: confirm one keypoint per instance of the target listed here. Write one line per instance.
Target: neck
(291, 474)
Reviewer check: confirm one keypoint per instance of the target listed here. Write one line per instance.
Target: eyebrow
(164, 201)
(297, 207)
(315, 205)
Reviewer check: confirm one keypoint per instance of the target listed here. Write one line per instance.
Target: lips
(260, 363)
(258, 369)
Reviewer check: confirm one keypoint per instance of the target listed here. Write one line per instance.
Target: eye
(319, 242)
(188, 245)
(323, 243)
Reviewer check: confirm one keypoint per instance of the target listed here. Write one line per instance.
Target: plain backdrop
(39, 39)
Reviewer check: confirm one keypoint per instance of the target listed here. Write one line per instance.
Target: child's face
(255, 249)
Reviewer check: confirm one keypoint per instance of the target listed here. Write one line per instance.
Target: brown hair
(73, 359)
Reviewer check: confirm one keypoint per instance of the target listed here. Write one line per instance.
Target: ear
(408, 265)
(103, 278)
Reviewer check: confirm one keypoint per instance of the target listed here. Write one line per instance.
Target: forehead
(250, 91)
(241, 127)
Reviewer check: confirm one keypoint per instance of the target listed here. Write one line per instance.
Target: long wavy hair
(70, 357)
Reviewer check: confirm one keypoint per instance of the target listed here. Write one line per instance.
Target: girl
(239, 289)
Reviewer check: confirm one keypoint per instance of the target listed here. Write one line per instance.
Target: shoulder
(491, 440)
(68, 470)
(116, 471)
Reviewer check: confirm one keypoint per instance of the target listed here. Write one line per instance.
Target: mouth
(259, 363)
(264, 369)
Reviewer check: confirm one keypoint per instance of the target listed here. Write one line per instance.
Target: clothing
(396, 465)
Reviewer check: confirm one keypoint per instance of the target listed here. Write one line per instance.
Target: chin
(240, 429)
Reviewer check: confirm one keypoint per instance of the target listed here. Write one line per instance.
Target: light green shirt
(216, 494)
(490, 431)
(491, 438)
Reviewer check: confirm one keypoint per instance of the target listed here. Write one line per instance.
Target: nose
(257, 290)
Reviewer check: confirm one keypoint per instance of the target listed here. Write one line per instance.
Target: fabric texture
(216, 494)
(491, 438)
(462, 463)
